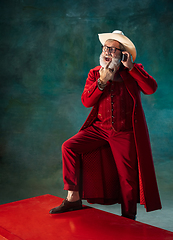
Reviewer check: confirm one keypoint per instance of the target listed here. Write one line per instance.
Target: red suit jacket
(100, 182)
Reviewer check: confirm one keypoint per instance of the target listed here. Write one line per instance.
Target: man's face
(111, 51)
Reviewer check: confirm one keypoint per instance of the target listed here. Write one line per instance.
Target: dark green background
(47, 49)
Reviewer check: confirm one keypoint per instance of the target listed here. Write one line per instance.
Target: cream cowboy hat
(120, 37)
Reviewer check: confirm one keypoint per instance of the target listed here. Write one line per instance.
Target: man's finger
(108, 64)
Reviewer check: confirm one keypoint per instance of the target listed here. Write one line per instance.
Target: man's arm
(146, 82)
(95, 84)
(91, 92)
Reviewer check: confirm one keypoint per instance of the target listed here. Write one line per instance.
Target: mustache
(115, 61)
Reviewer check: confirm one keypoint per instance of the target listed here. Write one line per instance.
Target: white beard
(114, 64)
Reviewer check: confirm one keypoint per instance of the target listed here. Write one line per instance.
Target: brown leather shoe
(67, 206)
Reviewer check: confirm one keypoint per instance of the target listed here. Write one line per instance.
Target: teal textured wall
(47, 49)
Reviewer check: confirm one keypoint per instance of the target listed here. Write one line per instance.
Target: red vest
(115, 107)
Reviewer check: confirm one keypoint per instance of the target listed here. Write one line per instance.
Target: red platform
(29, 219)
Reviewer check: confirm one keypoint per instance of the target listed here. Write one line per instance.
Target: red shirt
(115, 106)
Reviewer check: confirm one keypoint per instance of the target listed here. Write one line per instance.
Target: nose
(108, 51)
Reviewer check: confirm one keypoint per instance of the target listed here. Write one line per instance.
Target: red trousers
(123, 148)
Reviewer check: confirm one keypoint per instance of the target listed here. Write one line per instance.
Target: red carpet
(29, 219)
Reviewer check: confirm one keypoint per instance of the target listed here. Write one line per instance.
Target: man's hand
(106, 73)
(129, 62)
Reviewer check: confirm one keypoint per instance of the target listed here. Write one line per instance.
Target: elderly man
(109, 160)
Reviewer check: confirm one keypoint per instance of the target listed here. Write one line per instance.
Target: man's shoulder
(94, 72)
(96, 69)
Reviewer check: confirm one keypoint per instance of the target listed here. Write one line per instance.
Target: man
(109, 160)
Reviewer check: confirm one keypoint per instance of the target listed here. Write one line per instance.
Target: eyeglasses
(110, 49)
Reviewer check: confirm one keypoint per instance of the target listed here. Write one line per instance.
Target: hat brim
(129, 46)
